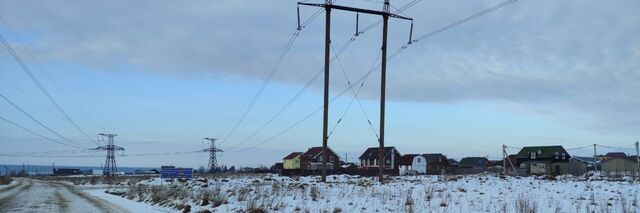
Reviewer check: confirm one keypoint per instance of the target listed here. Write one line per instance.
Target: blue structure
(170, 173)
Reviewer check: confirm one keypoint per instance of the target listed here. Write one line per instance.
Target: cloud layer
(580, 59)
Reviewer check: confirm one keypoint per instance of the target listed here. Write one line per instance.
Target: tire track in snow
(7, 197)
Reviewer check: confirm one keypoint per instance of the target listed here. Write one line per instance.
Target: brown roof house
(412, 164)
(436, 162)
(370, 157)
(312, 159)
(292, 161)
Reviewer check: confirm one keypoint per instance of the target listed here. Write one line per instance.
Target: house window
(388, 161)
(375, 162)
(539, 151)
(564, 155)
(330, 158)
(319, 158)
(362, 162)
(419, 160)
(557, 155)
(297, 161)
(533, 155)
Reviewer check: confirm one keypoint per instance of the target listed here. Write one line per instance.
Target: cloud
(578, 58)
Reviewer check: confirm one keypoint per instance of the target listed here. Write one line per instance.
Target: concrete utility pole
(213, 160)
(504, 159)
(595, 158)
(328, 5)
(637, 159)
(110, 167)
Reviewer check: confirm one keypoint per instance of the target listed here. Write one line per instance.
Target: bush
(4, 180)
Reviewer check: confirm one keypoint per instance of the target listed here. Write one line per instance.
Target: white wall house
(412, 164)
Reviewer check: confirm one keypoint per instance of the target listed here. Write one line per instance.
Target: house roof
(547, 151)
(292, 155)
(452, 161)
(623, 158)
(584, 159)
(372, 152)
(616, 154)
(312, 152)
(472, 161)
(434, 157)
(407, 159)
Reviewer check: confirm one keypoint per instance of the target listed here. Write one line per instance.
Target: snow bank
(344, 193)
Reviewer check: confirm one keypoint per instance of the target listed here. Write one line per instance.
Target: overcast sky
(164, 74)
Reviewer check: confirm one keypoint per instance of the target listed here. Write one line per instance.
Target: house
(369, 158)
(292, 161)
(539, 160)
(436, 163)
(474, 163)
(412, 164)
(619, 166)
(589, 162)
(65, 172)
(312, 159)
(453, 163)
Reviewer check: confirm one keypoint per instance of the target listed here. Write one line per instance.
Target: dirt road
(41, 196)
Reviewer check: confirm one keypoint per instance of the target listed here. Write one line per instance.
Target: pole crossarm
(359, 10)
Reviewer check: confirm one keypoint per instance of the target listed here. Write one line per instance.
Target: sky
(164, 74)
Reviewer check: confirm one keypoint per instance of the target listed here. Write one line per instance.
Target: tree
(201, 169)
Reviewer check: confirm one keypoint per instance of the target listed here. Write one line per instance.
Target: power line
(340, 51)
(35, 133)
(268, 77)
(36, 120)
(440, 30)
(41, 87)
(85, 156)
(452, 25)
(55, 83)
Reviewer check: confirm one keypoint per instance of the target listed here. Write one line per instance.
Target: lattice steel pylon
(213, 160)
(110, 167)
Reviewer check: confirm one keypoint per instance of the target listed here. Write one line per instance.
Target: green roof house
(541, 160)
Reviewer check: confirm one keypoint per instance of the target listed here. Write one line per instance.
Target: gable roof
(452, 161)
(472, 161)
(407, 159)
(372, 152)
(313, 152)
(623, 158)
(292, 155)
(590, 160)
(616, 154)
(434, 157)
(547, 151)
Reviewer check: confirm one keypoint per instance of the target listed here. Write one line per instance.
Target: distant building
(66, 172)
(312, 159)
(474, 163)
(453, 163)
(412, 164)
(551, 160)
(292, 161)
(436, 162)
(619, 166)
(369, 158)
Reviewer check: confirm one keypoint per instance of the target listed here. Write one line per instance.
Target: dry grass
(5, 180)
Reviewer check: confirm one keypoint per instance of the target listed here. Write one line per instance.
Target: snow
(130, 205)
(472, 193)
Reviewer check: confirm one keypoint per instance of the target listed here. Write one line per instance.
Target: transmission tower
(110, 167)
(213, 160)
(386, 14)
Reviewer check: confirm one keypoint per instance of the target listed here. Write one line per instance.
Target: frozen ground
(474, 193)
(26, 195)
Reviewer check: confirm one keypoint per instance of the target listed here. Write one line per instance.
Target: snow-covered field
(343, 193)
